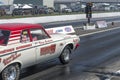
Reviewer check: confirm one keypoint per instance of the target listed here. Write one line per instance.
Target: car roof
(18, 26)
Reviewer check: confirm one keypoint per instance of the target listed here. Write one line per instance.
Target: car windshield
(4, 35)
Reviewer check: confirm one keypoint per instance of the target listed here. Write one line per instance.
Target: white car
(23, 45)
(67, 10)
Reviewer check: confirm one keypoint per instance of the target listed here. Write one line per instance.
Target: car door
(26, 49)
(45, 47)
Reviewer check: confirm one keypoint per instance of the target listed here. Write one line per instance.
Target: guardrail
(57, 18)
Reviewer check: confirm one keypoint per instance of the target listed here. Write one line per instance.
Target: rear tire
(65, 55)
(11, 72)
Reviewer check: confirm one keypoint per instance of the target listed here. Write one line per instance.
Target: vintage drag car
(23, 45)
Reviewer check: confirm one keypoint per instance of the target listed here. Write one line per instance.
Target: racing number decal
(48, 50)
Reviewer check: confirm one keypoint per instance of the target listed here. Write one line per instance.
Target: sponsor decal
(48, 50)
(48, 41)
(59, 30)
(11, 58)
(63, 30)
(23, 46)
(45, 42)
(68, 29)
(6, 51)
(41, 42)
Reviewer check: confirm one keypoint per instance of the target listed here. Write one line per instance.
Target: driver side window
(25, 36)
(38, 34)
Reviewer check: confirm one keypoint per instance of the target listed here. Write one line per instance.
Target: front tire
(65, 55)
(11, 72)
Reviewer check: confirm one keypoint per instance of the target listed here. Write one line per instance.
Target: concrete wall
(47, 19)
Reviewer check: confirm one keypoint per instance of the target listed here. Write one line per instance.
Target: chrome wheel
(11, 73)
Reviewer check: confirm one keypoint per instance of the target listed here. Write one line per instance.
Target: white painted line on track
(98, 32)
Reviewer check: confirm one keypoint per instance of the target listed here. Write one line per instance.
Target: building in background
(17, 6)
(69, 4)
(7, 2)
(48, 3)
(77, 5)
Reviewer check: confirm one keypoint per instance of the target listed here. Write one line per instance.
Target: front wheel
(65, 55)
(12, 72)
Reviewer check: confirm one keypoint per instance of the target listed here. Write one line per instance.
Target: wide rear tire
(65, 55)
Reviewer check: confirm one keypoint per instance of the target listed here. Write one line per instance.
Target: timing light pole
(88, 11)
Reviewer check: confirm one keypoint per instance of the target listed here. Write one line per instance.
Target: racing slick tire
(11, 72)
(65, 55)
